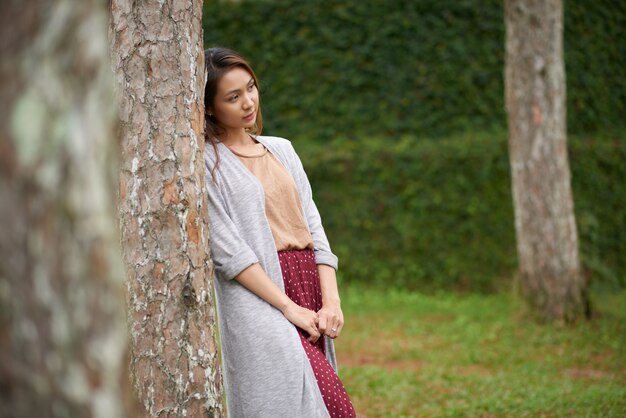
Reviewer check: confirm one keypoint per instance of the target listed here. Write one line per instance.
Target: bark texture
(158, 58)
(63, 338)
(547, 242)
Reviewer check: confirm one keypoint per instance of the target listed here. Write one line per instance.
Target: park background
(397, 111)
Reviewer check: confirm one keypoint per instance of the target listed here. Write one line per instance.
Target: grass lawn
(414, 355)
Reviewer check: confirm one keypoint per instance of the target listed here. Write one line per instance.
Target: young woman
(277, 299)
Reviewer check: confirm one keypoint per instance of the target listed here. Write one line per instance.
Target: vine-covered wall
(397, 109)
(427, 214)
(350, 68)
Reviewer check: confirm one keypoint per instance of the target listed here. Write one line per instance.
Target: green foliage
(595, 58)
(420, 213)
(352, 68)
(599, 186)
(407, 354)
(402, 204)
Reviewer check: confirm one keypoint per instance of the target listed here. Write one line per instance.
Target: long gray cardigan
(266, 371)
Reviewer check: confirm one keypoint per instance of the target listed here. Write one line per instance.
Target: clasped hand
(327, 321)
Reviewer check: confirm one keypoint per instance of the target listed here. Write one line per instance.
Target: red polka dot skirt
(302, 285)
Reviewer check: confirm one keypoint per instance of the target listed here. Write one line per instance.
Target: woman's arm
(323, 253)
(330, 316)
(234, 259)
(256, 280)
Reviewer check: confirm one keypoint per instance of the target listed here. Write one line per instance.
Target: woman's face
(236, 101)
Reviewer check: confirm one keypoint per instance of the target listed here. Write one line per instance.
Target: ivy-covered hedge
(438, 213)
(599, 185)
(351, 68)
(408, 196)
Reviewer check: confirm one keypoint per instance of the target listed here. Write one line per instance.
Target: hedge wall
(350, 68)
(406, 196)
(430, 214)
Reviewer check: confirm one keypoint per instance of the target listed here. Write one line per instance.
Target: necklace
(252, 149)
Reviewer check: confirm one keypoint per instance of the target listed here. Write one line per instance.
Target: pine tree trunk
(63, 337)
(158, 59)
(547, 242)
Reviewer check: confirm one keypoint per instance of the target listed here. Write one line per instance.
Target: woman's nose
(248, 102)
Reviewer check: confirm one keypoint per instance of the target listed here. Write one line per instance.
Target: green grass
(446, 355)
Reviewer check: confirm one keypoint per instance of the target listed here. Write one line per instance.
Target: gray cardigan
(266, 371)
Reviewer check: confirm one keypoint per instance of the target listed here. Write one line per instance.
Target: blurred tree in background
(397, 109)
(547, 239)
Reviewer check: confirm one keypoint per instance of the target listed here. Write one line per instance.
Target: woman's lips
(250, 117)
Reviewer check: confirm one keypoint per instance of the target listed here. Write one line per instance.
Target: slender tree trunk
(158, 59)
(547, 242)
(62, 328)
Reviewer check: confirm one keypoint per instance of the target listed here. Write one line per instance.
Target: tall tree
(547, 242)
(62, 328)
(158, 58)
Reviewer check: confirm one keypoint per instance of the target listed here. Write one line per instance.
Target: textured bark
(158, 59)
(63, 338)
(547, 242)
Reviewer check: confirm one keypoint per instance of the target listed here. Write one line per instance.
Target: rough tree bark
(158, 59)
(547, 242)
(62, 327)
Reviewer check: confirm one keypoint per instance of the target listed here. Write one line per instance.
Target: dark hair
(218, 61)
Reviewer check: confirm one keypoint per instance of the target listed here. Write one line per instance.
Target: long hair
(218, 61)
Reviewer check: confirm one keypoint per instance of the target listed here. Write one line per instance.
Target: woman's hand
(303, 318)
(330, 320)
(331, 317)
(254, 279)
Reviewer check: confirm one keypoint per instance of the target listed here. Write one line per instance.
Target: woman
(277, 299)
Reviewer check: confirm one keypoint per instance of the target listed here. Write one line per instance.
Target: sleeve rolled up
(323, 253)
(229, 252)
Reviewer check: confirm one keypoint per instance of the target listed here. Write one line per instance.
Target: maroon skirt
(302, 285)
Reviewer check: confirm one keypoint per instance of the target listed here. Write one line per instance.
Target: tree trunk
(158, 59)
(63, 338)
(547, 242)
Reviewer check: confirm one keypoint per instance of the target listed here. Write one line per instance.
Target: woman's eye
(233, 98)
(251, 87)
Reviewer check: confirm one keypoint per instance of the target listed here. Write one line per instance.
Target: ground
(446, 355)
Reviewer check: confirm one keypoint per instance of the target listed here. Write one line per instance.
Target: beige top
(282, 201)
